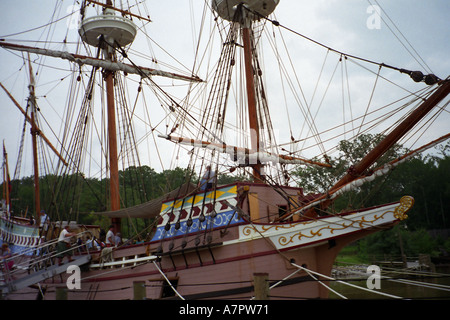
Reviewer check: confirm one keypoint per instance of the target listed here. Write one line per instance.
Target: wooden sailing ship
(208, 243)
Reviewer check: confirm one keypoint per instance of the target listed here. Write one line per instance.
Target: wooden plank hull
(224, 267)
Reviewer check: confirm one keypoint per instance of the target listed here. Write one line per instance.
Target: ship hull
(224, 268)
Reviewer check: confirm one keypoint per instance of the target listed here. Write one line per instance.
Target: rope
(436, 286)
(422, 63)
(323, 284)
(37, 28)
(370, 100)
(346, 283)
(162, 273)
(299, 268)
(277, 23)
(423, 284)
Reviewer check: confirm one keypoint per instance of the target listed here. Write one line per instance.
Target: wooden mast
(112, 139)
(6, 181)
(112, 146)
(251, 95)
(34, 133)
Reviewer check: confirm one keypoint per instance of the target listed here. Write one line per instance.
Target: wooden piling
(261, 286)
(139, 291)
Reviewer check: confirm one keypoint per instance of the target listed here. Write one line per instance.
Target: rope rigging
(417, 76)
(183, 115)
(421, 62)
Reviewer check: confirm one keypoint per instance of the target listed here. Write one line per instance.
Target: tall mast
(251, 95)
(109, 32)
(6, 181)
(112, 143)
(34, 133)
(112, 136)
(244, 12)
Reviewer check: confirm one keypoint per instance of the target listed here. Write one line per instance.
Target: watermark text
(374, 280)
(374, 20)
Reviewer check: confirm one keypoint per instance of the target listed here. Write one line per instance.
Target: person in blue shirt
(208, 179)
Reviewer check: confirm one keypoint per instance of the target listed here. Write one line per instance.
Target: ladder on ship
(42, 265)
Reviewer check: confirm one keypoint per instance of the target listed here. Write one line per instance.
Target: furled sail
(149, 209)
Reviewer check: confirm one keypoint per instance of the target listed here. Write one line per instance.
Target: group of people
(44, 220)
(65, 243)
(113, 240)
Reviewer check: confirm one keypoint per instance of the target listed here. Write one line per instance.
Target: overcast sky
(350, 26)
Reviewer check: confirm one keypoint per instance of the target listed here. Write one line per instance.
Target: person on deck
(118, 239)
(110, 237)
(97, 244)
(63, 246)
(89, 243)
(207, 181)
(44, 220)
(6, 256)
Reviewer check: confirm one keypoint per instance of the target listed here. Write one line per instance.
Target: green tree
(315, 179)
(390, 242)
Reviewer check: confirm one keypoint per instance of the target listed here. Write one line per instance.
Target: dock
(35, 277)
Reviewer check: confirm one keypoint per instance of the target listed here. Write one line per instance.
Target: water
(422, 288)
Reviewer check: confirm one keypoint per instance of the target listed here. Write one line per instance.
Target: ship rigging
(224, 114)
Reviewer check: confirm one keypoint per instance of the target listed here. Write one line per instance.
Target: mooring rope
(170, 284)
(346, 283)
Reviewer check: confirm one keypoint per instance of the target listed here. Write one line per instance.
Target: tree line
(75, 197)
